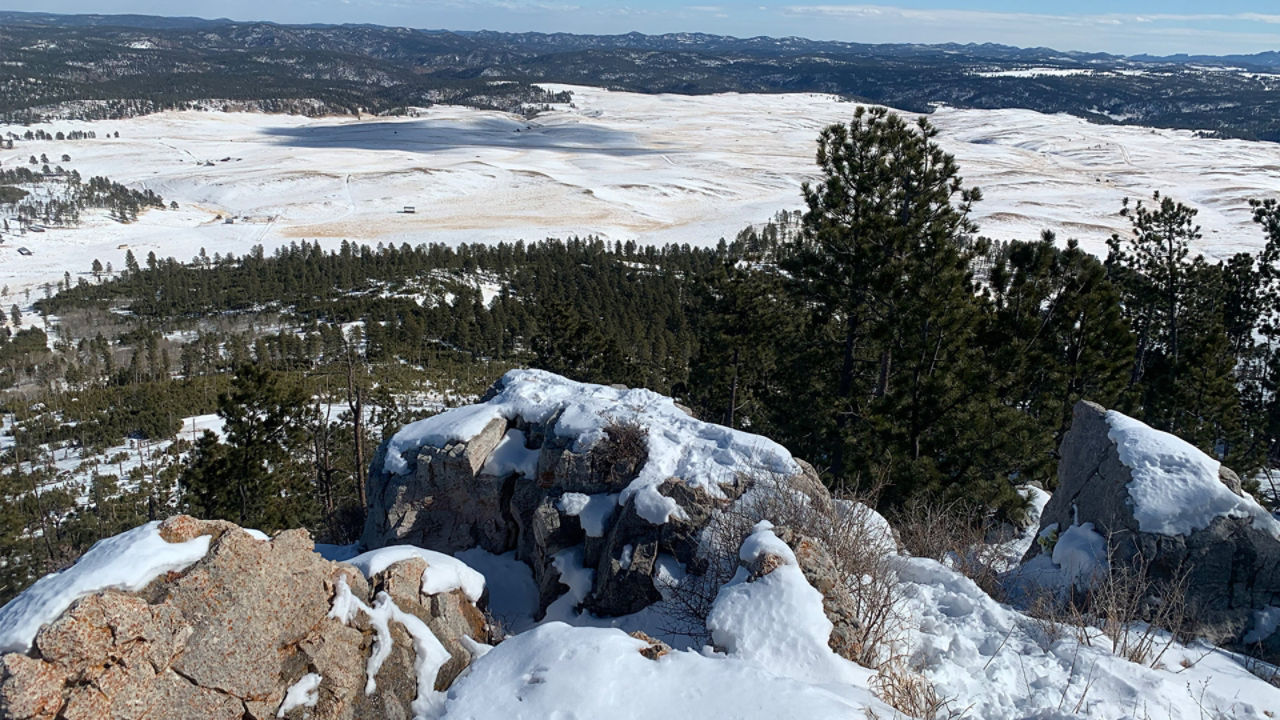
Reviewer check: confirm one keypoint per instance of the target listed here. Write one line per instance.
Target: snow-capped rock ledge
(192, 619)
(575, 415)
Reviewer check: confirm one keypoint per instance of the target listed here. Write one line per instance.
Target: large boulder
(232, 634)
(1163, 506)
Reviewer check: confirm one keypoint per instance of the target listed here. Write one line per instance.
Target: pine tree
(254, 480)
(1183, 367)
(885, 260)
(1056, 334)
(747, 326)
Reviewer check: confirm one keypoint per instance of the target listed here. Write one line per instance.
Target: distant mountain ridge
(561, 41)
(139, 63)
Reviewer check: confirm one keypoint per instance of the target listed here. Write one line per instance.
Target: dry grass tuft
(1140, 616)
(909, 692)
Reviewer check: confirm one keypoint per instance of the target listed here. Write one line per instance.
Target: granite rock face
(230, 635)
(1232, 567)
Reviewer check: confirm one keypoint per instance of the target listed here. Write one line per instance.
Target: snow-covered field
(625, 166)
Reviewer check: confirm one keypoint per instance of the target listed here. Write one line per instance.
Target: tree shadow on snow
(439, 135)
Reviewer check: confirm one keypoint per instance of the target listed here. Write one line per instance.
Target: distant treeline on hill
(116, 66)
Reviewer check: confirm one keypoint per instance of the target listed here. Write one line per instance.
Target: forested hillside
(96, 66)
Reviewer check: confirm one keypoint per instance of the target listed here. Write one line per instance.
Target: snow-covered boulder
(1152, 496)
(625, 478)
(196, 619)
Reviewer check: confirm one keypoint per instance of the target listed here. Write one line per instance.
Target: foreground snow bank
(699, 453)
(557, 670)
(1004, 665)
(128, 561)
(773, 661)
(1175, 487)
(777, 620)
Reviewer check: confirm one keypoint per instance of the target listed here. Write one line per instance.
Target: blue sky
(1218, 27)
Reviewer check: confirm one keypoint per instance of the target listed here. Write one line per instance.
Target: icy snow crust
(1081, 553)
(304, 693)
(443, 574)
(1175, 487)
(511, 456)
(593, 511)
(699, 453)
(128, 561)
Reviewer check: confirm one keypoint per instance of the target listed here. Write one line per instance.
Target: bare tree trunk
(846, 396)
(355, 402)
(733, 391)
(886, 364)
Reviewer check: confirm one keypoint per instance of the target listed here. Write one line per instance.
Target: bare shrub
(621, 453)
(1134, 610)
(1055, 616)
(687, 605)
(1139, 615)
(910, 693)
(845, 528)
(954, 535)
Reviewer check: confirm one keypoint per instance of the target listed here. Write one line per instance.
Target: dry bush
(620, 454)
(685, 606)
(954, 535)
(910, 693)
(1140, 616)
(845, 528)
(1132, 609)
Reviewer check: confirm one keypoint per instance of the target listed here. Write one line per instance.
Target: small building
(409, 209)
(24, 251)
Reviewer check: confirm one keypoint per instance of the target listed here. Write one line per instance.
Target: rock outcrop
(550, 473)
(230, 635)
(1231, 557)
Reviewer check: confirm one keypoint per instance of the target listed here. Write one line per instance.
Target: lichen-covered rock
(228, 636)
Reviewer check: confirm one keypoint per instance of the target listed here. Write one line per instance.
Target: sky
(1120, 26)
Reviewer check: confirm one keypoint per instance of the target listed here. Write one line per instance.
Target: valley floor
(624, 166)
